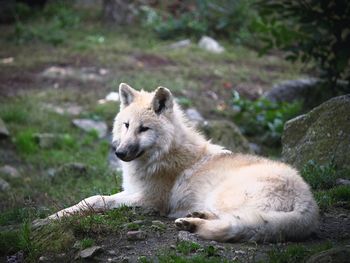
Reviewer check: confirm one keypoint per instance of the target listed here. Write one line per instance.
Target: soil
(334, 228)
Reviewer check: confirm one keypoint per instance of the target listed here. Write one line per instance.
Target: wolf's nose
(120, 155)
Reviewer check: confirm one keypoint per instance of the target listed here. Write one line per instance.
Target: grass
(187, 251)
(296, 253)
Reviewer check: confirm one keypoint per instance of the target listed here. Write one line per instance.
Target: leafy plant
(222, 18)
(319, 176)
(51, 24)
(263, 117)
(310, 30)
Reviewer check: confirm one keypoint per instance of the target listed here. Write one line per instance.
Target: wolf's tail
(253, 225)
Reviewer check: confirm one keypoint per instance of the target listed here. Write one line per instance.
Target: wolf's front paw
(185, 224)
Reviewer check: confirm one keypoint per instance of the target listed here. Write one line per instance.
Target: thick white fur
(225, 196)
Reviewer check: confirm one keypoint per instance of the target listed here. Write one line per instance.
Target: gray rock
(81, 74)
(48, 140)
(227, 134)
(90, 125)
(194, 115)
(186, 236)
(4, 133)
(4, 186)
(180, 44)
(341, 181)
(334, 255)
(158, 225)
(136, 235)
(210, 44)
(74, 169)
(67, 109)
(255, 148)
(9, 171)
(90, 252)
(291, 90)
(322, 135)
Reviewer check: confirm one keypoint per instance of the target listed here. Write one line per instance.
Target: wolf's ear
(127, 94)
(162, 101)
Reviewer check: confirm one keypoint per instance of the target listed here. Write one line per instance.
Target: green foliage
(295, 253)
(310, 30)
(222, 18)
(319, 176)
(263, 117)
(25, 142)
(328, 198)
(86, 242)
(51, 24)
(187, 247)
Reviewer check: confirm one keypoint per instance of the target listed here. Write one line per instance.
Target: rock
(322, 135)
(341, 181)
(255, 148)
(194, 115)
(136, 235)
(112, 96)
(69, 169)
(120, 12)
(48, 140)
(180, 44)
(186, 236)
(334, 255)
(4, 186)
(4, 133)
(80, 74)
(90, 125)
(9, 171)
(69, 109)
(227, 134)
(90, 252)
(291, 90)
(210, 44)
(16, 258)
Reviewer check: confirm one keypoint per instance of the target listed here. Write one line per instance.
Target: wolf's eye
(126, 124)
(144, 128)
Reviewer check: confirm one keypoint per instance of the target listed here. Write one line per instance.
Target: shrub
(226, 18)
(263, 117)
(319, 176)
(316, 30)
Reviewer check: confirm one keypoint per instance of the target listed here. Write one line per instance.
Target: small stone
(4, 133)
(240, 252)
(90, 252)
(255, 148)
(186, 236)
(180, 44)
(72, 169)
(342, 216)
(43, 259)
(341, 181)
(91, 125)
(9, 171)
(112, 96)
(4, 186)
(47, 140)
(194, 115)
(136, 235)
(69, 109)
(210, 44)
(158, 225)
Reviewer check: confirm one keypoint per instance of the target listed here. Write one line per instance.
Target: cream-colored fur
(217, 194)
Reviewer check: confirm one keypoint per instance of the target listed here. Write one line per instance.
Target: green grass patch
(296, 253)
(319, 176)
(328, 198)
(187, 251)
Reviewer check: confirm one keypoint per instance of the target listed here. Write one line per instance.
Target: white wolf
(217, 194)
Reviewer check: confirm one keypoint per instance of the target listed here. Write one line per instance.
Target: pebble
(9, 171)
(136, 235)
(89, 252)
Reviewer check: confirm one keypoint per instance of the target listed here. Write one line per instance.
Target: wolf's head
(144, 126)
